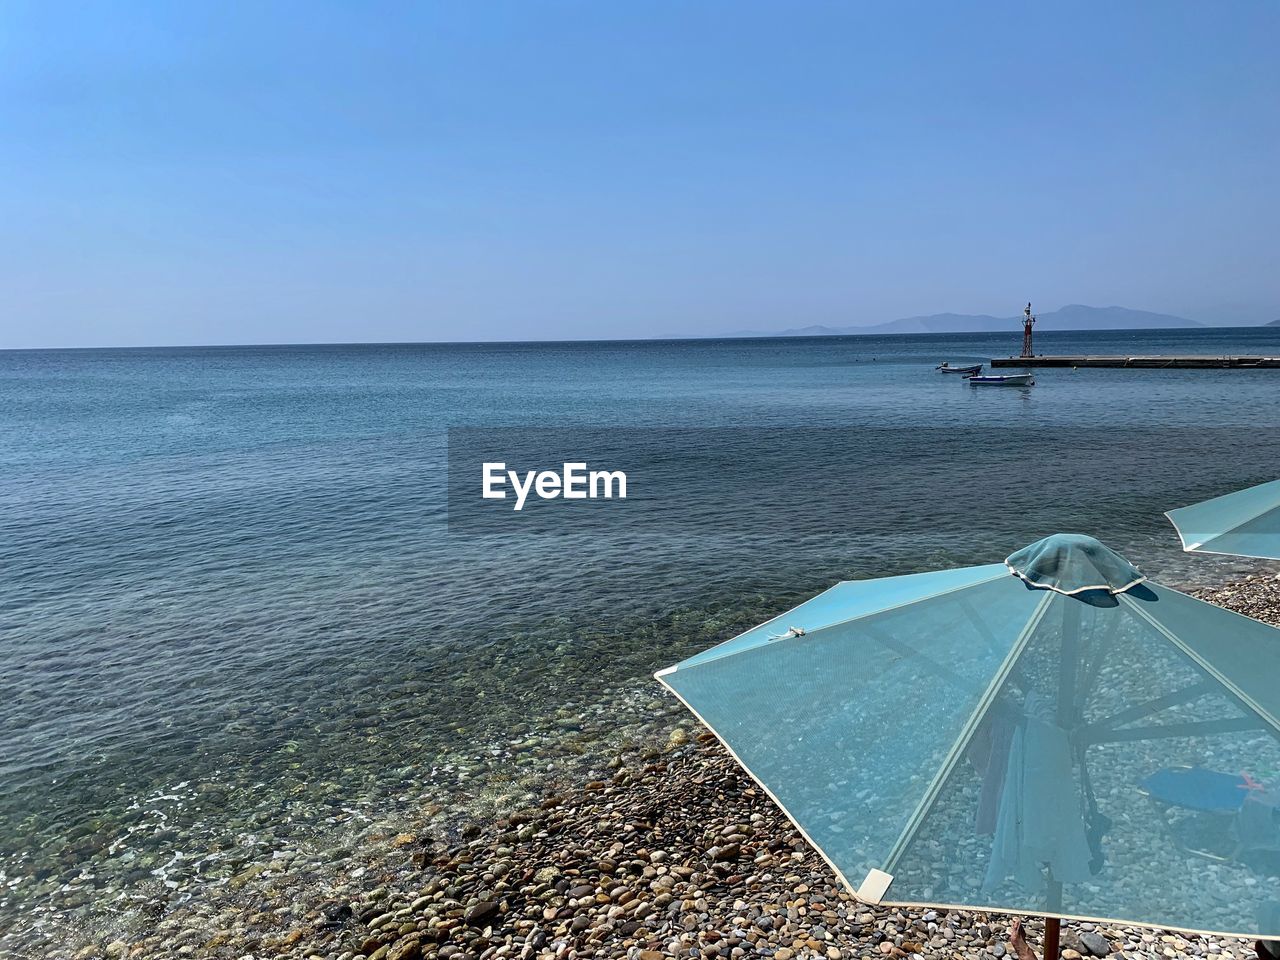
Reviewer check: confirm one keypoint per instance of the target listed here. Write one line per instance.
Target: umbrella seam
(1204, 664)
(966, 734)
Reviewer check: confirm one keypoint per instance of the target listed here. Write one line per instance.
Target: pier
(1146, 363)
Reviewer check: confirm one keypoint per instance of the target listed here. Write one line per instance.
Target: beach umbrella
(1054, 735)
(1245, 523)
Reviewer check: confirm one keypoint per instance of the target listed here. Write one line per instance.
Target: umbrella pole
(1067, 667)
(1052, 925)
(1052, 929)
(1067, 719)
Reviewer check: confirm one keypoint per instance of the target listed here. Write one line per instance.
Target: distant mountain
(1079, 317)
(817, 330)
(1073, 317)
(939, 323)
(1273, 323)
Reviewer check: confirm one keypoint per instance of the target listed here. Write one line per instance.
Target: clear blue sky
(187, 172)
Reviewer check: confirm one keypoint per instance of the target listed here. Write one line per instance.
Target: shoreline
(680, 851)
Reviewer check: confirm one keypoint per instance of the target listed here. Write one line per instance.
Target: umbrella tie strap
(791, 632)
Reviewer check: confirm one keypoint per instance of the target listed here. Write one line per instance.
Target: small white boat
(1004, 380)
(967, 371)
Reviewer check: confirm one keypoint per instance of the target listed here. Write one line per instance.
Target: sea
(251, 601)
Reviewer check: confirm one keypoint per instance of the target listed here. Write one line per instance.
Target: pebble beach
(666, 850)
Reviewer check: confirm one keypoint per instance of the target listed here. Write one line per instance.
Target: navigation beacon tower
(1028, 321)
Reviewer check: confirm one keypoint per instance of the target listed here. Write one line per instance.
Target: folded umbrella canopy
(1245, 523)
(986, 737)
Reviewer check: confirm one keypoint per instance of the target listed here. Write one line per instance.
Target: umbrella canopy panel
(1245, 523)
(990, 745)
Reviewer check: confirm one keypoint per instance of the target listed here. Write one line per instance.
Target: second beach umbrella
(1054, 736)
(1245, 523)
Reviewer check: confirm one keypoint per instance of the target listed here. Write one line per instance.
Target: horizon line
(685, 338)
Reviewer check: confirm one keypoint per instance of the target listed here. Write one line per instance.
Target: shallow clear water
(230, 596)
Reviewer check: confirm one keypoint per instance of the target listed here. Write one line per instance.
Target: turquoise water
(231, 604)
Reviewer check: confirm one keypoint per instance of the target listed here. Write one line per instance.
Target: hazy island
(1072, 317)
